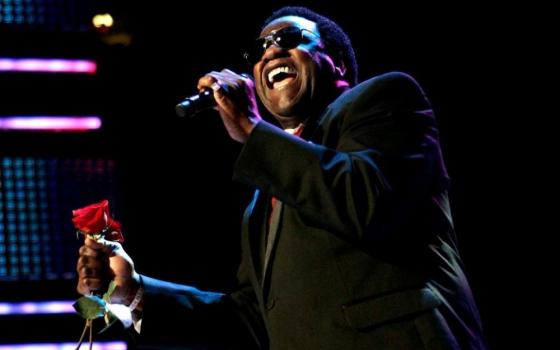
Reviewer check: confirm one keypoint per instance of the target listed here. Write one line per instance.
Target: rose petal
(95, 218)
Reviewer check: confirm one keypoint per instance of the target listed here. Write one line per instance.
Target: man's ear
(340, 69)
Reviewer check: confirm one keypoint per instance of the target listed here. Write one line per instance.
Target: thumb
(122, 266)
(219, 91)
(111, 248)
(120, 262)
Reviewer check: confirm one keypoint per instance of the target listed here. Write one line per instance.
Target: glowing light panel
(37, 308)
(64, 346)
(45, 65)
(50, 123)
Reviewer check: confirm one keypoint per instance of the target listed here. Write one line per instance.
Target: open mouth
(280, 76)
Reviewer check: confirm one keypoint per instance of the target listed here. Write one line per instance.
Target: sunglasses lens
(255, 51)
(286, 38)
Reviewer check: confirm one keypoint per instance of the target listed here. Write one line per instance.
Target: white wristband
(137, 297)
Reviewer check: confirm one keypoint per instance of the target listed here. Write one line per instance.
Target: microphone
(195, 103)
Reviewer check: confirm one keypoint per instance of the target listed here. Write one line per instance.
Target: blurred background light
(102, 20)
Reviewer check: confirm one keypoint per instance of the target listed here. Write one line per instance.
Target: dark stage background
(172, 185)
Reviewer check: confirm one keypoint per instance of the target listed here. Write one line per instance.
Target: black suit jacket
(360, 252)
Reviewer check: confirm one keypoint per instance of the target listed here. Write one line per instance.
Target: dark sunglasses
(285, 38)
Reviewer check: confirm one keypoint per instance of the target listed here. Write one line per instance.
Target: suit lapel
(256, 219)
(253, 223)
(309, 132)
(272, 237)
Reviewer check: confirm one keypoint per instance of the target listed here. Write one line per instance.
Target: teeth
(278, 70)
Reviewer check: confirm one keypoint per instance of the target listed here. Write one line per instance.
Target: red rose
(95, 219)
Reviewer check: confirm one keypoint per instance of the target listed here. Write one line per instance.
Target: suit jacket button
(270, 304)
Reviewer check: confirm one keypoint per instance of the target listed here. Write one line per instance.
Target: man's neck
(291, 123)
(314, 110)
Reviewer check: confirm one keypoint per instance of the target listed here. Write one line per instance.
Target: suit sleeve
(176, 315)
(379, 157)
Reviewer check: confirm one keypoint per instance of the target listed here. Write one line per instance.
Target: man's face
(290, 80)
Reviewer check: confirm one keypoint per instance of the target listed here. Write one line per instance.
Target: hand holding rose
(102, 258)
(105, 269)
(103, 261)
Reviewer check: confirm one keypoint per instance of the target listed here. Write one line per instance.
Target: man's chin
(288, 107)
(285, 111)
(288, 116)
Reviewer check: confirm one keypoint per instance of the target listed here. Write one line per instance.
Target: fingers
(237, 81)
(86, 285)
(92, 251)
(224, 81)
(91, 279)
(93, 268)
(206, 83)
(245, 76)
(91, 242)
(102, 245)
(235, 101)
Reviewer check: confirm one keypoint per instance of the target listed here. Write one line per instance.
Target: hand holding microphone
(194, 104)
(234, 96)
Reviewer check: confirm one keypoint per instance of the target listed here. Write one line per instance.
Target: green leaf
(90, 307)
(95, 236)
(110, 291)
(107, 298)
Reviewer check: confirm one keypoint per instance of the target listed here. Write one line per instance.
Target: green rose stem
(90, 333)
(83, 335)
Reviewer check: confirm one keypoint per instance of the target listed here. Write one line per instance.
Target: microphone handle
(196, 103)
